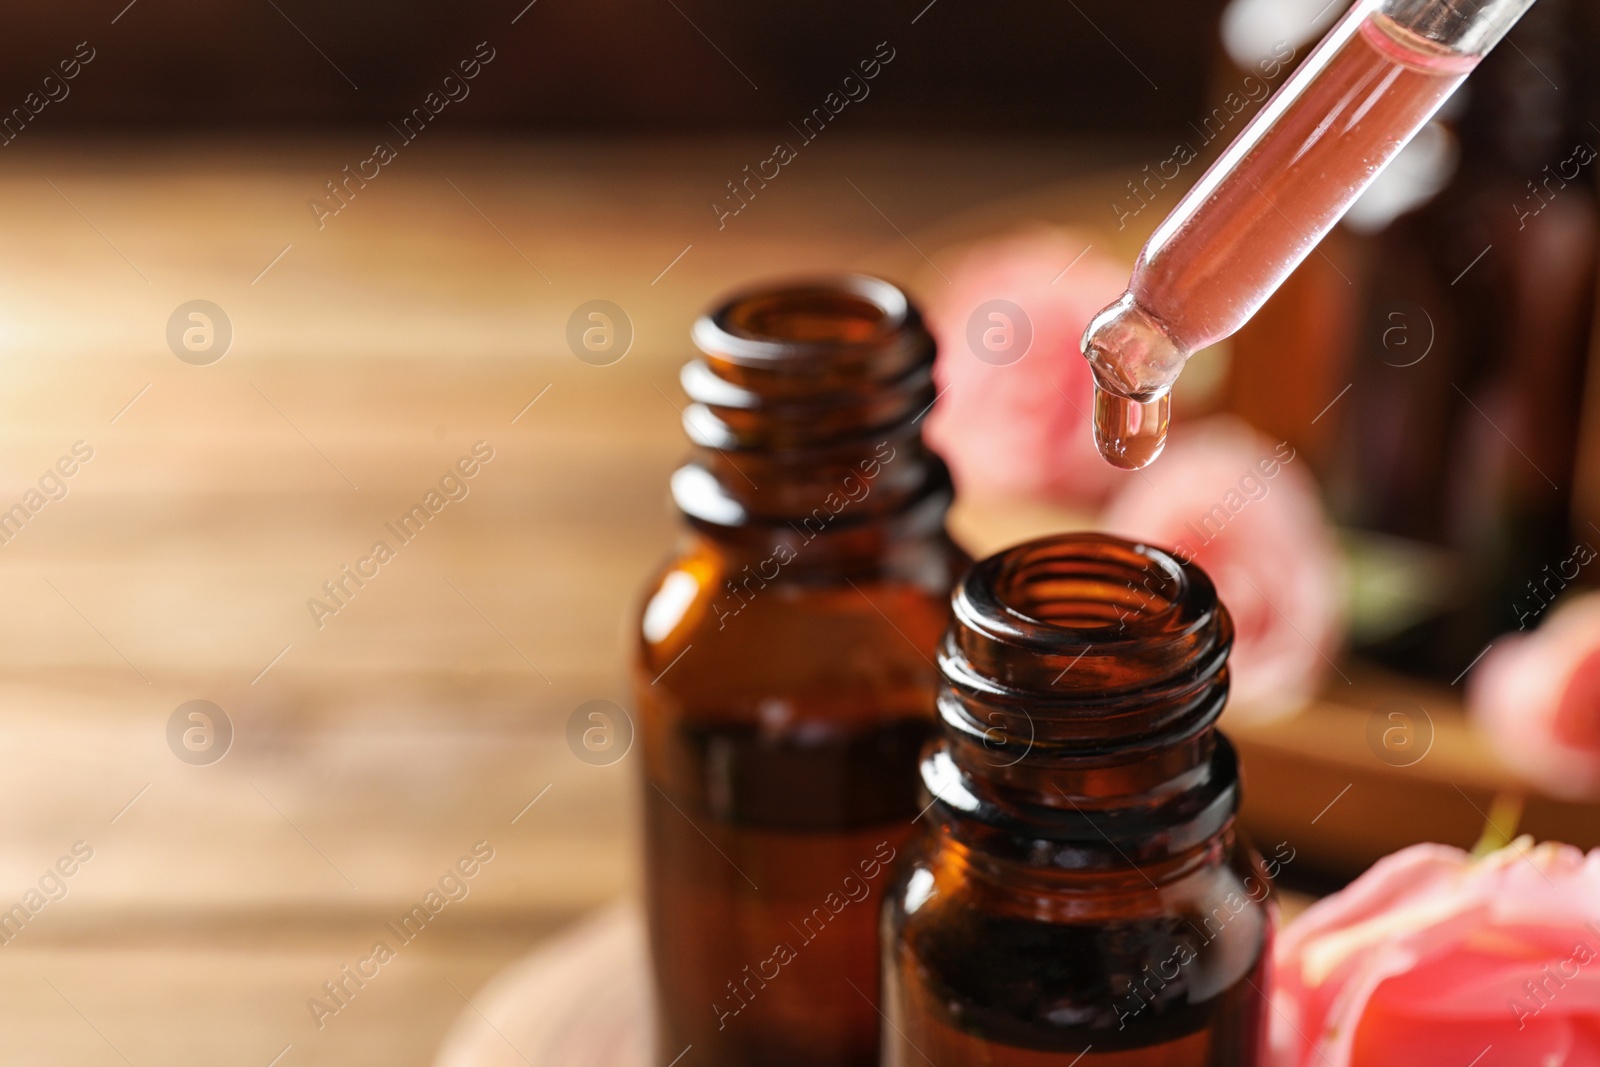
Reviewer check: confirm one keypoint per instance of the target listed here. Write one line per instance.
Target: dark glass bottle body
(1079, 893)
(784, 672)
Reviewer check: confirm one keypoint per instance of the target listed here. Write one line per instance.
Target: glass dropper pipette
(1373, 82)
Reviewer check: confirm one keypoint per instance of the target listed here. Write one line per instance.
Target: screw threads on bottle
(1083, 676)
(806, 409)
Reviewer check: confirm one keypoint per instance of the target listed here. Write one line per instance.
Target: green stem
(1500, 828)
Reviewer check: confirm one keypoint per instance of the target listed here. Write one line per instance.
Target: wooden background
(427, 715)
(372, 753)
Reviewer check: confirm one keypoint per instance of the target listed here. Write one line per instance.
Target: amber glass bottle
(1080, 894)
(785, 672)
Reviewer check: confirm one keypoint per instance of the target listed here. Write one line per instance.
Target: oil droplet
(1129, 434)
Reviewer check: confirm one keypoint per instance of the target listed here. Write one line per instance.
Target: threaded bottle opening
(806, 407)
(1115, 585)
(1084, 617)
(794, 323)
(1084, 674)
(812, 314)
(807, 361)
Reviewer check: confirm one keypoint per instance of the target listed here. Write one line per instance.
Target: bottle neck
(1083, 677)
(805, 420)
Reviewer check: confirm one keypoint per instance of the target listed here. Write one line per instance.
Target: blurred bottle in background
(1586, 490)
(1459, 430)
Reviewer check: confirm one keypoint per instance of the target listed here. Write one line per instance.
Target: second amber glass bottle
(785, 675)
(1080, 895)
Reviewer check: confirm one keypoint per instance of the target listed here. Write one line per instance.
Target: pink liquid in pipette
(1258, 212)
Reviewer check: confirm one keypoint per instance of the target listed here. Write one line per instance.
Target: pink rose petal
(1434, 958)
(1021, 427)
(1537, 696)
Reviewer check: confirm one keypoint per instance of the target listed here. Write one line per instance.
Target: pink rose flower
(1537, 696)
(1245, 508)
(1014, 407)
(1433, 958)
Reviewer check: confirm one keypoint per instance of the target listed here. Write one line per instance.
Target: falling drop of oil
(1128, 433)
